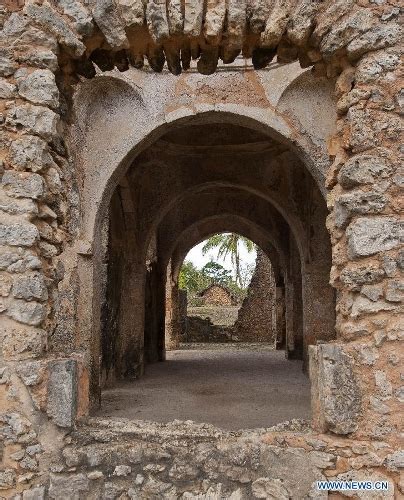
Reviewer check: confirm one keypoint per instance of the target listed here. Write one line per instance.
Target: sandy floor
(232, 387)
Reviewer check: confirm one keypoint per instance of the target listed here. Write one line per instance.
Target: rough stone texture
(31, 153)
(369, 236)
(35, 119)
(106, 120)
(335, 391)
(40, 87)
(62, 392)
(255, 322)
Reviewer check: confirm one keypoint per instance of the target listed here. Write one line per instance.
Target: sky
(195, 256)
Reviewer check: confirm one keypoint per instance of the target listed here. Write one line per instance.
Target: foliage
(216, 273)
(229, 244)
(191, 278)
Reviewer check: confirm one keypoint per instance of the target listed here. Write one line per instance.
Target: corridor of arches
(195, 181)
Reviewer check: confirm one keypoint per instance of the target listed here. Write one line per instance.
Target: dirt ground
(230, 386)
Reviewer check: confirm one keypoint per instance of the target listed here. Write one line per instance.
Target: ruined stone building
(132, 130)
(257, 316)
(217, 295)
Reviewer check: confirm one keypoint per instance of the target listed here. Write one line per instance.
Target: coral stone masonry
(131, 130)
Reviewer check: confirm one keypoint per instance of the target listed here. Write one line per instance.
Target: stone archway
(356, 43)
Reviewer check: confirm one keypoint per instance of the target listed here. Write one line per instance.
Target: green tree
(229, 244)
(216, 273)
(191, 278)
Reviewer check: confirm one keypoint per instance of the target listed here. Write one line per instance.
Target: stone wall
(216, 295)
(61, 163)
(256, 320)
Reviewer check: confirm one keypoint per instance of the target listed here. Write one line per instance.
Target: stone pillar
(336, 396)
(280, 318)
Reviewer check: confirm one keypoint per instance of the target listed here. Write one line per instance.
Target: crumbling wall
(217, 295)
(50, 219)
(256, 320)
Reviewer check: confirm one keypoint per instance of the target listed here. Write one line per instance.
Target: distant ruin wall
(255, 321)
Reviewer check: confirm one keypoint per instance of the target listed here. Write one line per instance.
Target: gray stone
(28, 262)
(363, 169)
(49, 19)
(30, 372)
(367, 236)
(30, 152)
(395, 461)
(62, 392)
(157, 21)
(335, 391)
(356, 276)
(193, 17)
(7, 89)
(68, 487)
(132, 12)
(301, 22)
(7, 66)
(30, 313)
(7, 479)
(265, 487)
(17, 207)
(35, 119)
(106, 16)
(30, 287)
(389, 265)
(358, 203)
(367, 355)
(395, 291)
(384, 387)
(344, 31)
(122, 470)
(40, 87)
(82, 18)
(372, 292)
(35, 493)
(23, 184)
(39, 58)
(18, 234)
(362, 305)
(378, 37)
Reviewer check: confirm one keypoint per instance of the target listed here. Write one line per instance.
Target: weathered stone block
(77, 11)
(356, 276)
(62, 392)
(36, 493)
(363, 169)
(12, 206)
(367, 236)
(106, 16)
(30, 287)
(7, 89)
(23, 184)
(30, 313)
(40, 87)
(336, 396)
(265, 487)
(30, 372)
(7, 479)
(47, 17)
(358, 202)
(35, 119)
(19, 342)
(18, 234)
(69, 487)
(30, 152)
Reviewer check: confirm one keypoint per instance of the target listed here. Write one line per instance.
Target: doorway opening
(192, 183)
